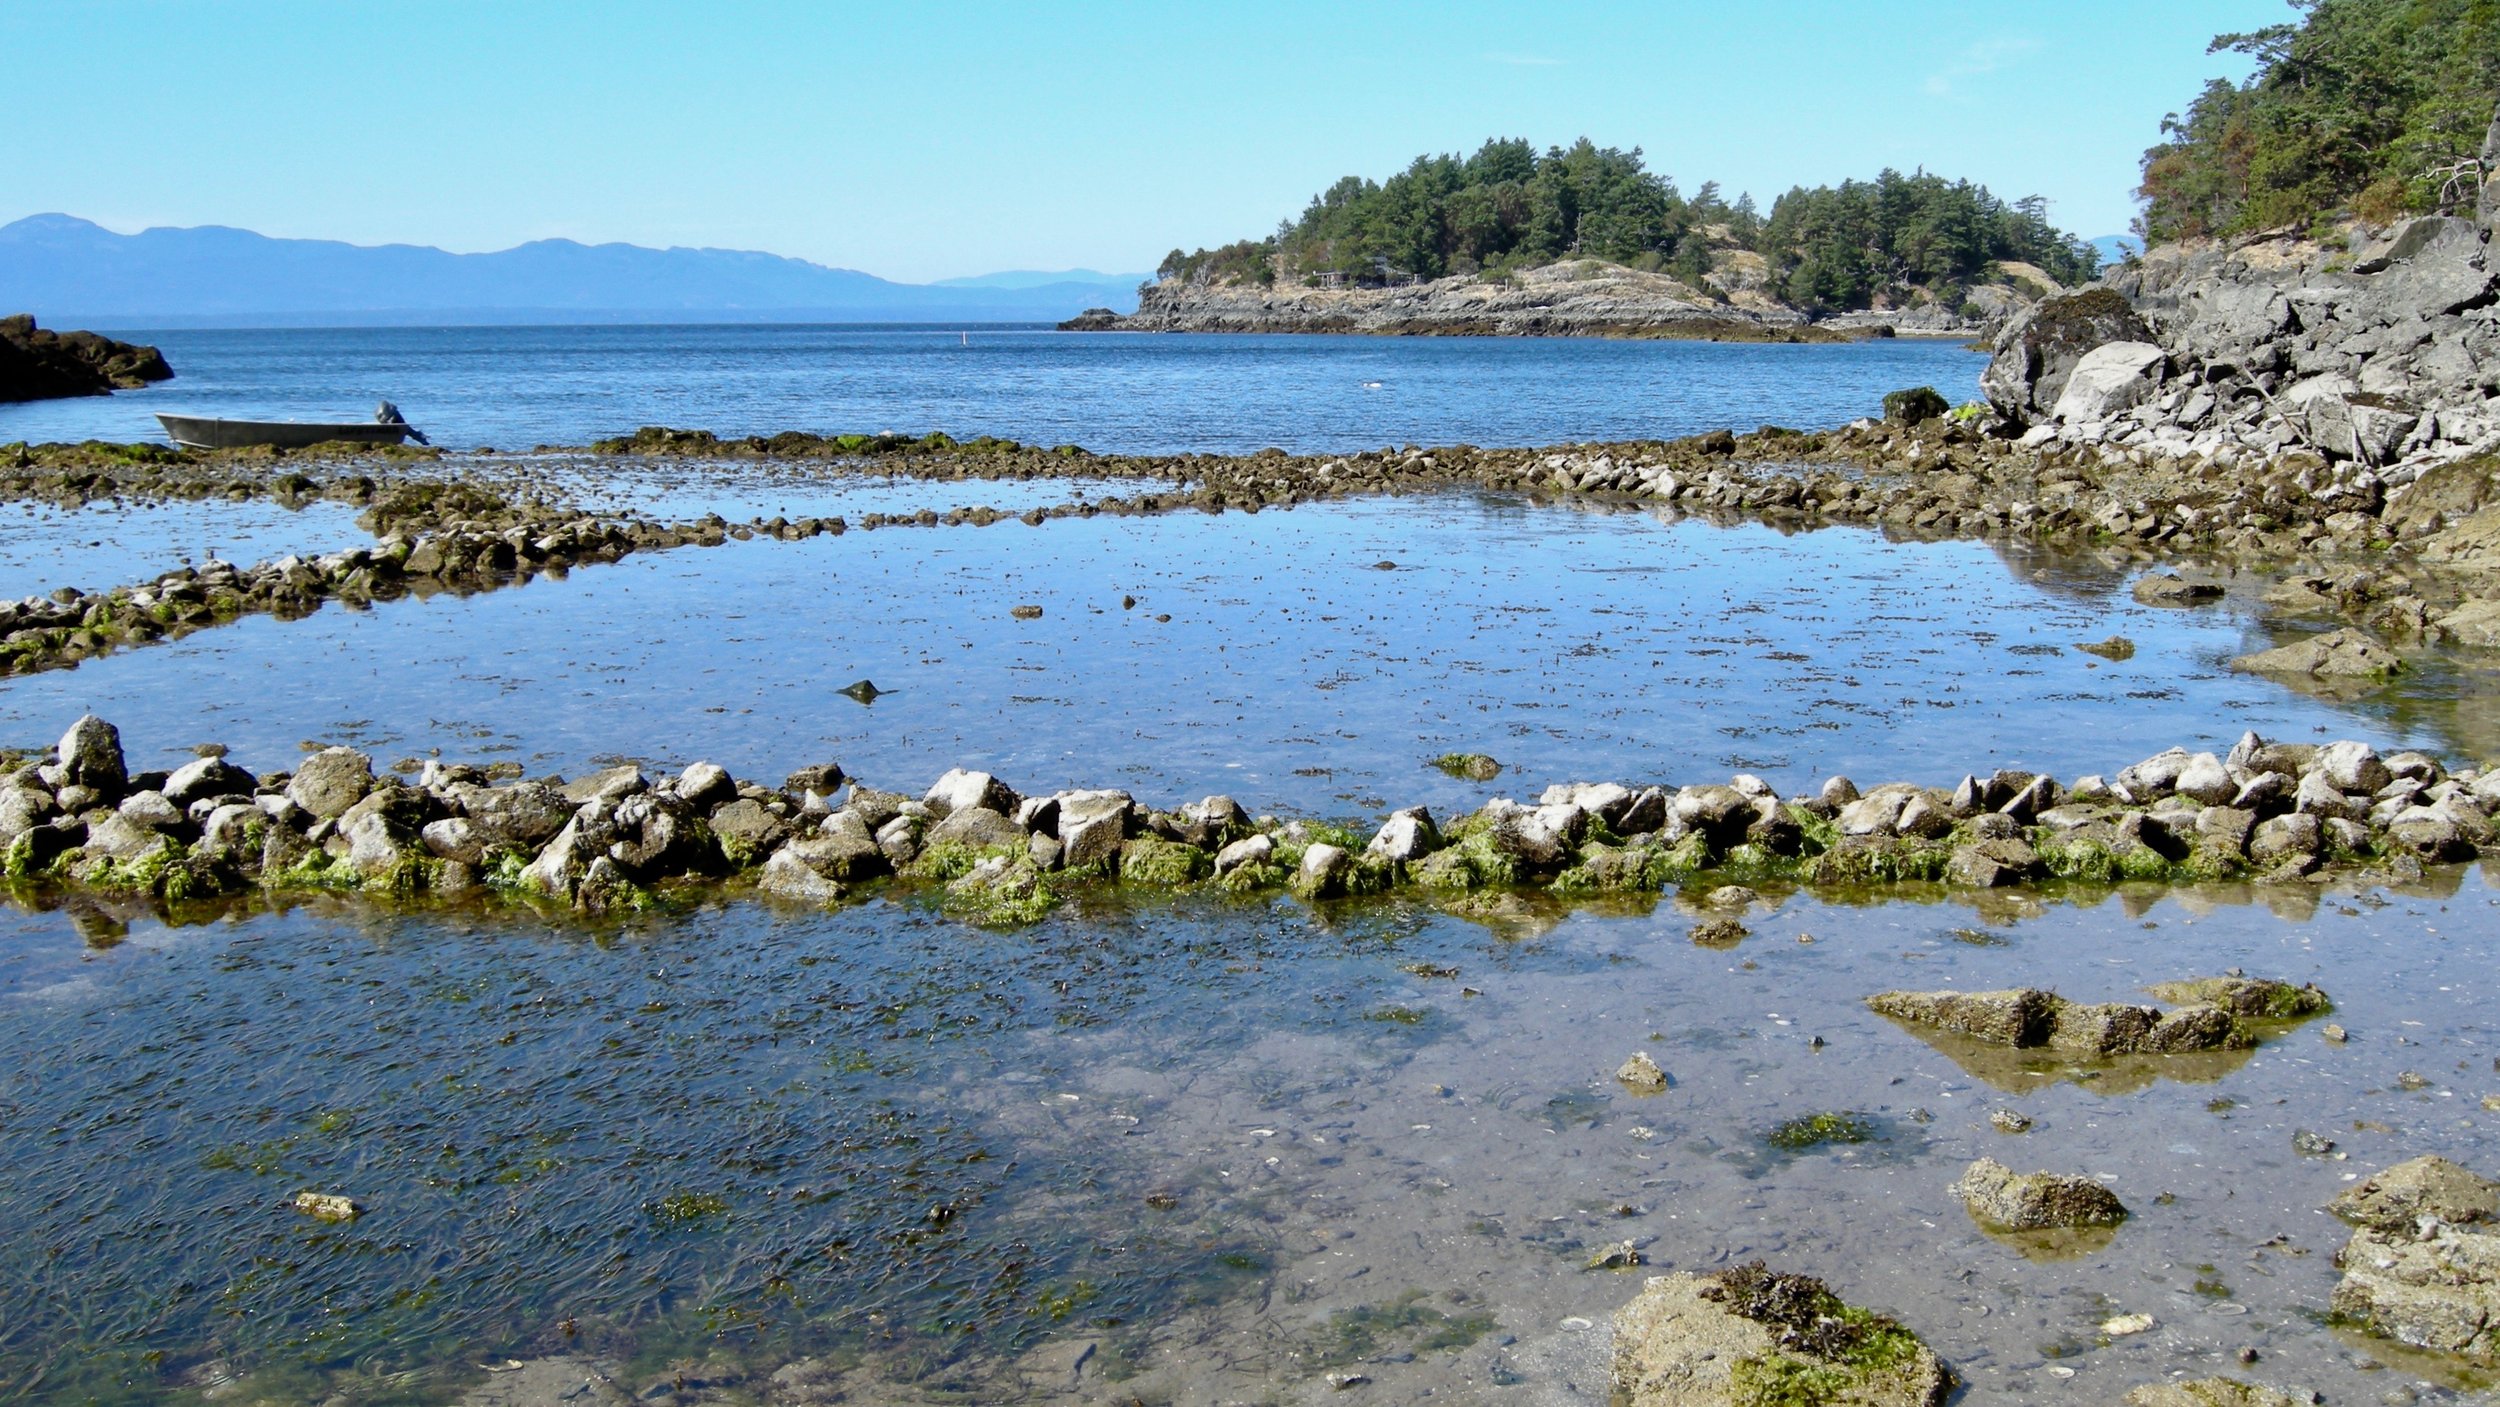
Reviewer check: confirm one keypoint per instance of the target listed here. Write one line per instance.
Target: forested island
(1588, 239)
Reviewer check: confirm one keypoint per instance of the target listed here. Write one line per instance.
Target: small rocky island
(1585, 242)
(40, 365)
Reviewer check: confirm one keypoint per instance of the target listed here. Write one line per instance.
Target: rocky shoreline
(1571, 298)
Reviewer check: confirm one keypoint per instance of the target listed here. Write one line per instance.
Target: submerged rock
(2009, 1201)
(2169, 589)
(2210, 1392)
(2029, 1018)
(1749, 1336)
(1642, 1073)
(2338, 654)
(2438, 1288)
(2400, 1197)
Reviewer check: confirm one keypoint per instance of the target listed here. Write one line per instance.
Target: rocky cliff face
(2382, 357)
(37, 365)
(1580, 297)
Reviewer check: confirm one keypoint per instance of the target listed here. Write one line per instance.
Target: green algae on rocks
(1753, 1337)
(618, 840)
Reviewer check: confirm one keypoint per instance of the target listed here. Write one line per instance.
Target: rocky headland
(37, 364)
(2374, 351)
(1569, 298)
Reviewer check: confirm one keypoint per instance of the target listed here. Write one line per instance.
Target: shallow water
(1203, 1149)
(104, 545)
(517, 387)
(677, 490)
(1230, 1144)
(1294, 671)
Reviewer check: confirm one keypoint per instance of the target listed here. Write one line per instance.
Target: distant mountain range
(70, 272)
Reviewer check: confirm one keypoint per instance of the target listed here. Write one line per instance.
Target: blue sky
(918, 141)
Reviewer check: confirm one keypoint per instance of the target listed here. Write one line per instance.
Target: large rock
(36, 364)
(330, 781)
(788, 873)
(2113, 377)
(1747, 1336)
(90, 755)
(1092, 827)
(1324, 871)
(959, 790)
(748, 830)
(2338, 654)
(2038, 351)
(2398, 1198)
(207, 777)
(2423, 1264)
(1991, 864)
(2027, 1018)
(1406, 836)
(1538, 837)
(976, 827)
(2369, 426)
(2009, 1201)
(523, 816)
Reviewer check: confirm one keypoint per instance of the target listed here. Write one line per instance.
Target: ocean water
(519, 387)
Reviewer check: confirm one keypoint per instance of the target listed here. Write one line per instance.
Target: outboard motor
(388, 414)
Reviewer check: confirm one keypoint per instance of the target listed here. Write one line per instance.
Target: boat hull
(198, 432)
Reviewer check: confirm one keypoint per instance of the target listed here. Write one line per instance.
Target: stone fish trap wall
(2283, 813)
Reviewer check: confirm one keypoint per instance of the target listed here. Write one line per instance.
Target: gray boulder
(2113, 377)
(608, 784)
(1092, 827)
(1407, 836)
(90, 755)
(207, 777)
(748, 830)
(330, 781)
(960, 789)
(1249, 850)
(845, 848)
(2038, 351)
(977, 827)
(704, 785)
(454, 838)
(801, 870)
(1324, 871)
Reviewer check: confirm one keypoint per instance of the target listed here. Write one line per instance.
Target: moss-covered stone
(2255, 998)
(1162, 864)
(1752, 1337)
(1002, 892)
(2004, 1200)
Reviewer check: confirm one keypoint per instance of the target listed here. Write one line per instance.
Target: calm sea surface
(517, 387)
